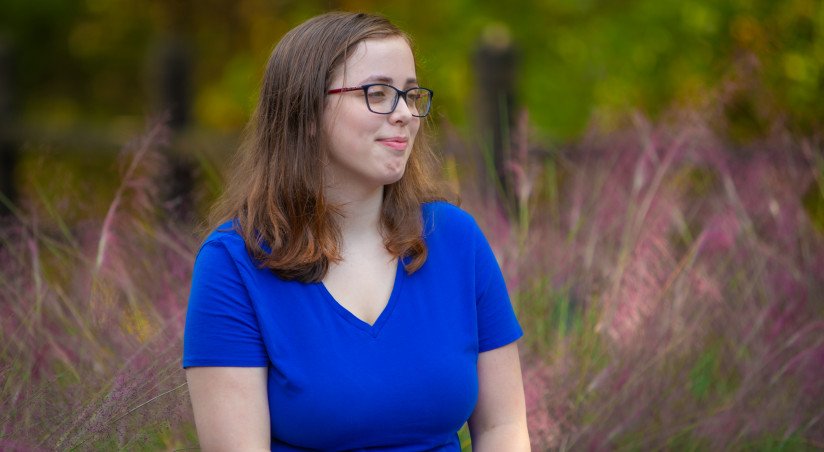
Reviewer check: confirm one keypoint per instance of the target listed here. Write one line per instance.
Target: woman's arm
(231, 407)
(499, 420)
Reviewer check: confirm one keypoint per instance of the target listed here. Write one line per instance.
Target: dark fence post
(175, 83)
(175, 90)
(496, 69)
(8, 145)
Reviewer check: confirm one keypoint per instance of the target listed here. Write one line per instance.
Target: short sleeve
(221, 325)
(497, 324)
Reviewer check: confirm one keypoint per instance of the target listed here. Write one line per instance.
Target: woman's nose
(402, 112)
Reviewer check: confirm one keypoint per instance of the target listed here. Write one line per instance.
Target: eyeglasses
(383, 99)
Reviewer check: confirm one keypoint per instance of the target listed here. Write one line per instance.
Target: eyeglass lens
(382, 99)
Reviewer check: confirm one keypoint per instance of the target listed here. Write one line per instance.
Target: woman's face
(369, 150)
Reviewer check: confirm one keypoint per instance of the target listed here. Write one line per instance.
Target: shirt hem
(500, 342)
(222, 363)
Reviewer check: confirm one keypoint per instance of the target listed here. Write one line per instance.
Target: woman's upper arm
(231, 407)
(499, 419)
(225, 356)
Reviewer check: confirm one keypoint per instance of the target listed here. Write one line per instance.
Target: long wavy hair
(274, 194)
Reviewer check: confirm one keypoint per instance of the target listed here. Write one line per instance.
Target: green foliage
(790, 443)
(814, 199)
(551, 316)
(465, 440)
(95, 60)
(687, 441)
(702, 375)
(709, 378)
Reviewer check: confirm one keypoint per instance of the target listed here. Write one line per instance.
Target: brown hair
(275, 192)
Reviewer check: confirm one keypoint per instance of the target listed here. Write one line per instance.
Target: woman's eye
(377, 97)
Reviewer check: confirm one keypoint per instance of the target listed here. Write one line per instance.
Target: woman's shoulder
(226, 235)
(441, 208)
(444, 216)
(228, 230)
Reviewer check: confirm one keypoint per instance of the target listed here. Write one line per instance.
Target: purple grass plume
(670, 285)
(668, 281)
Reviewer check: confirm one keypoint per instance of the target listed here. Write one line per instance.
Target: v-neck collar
(375, 328)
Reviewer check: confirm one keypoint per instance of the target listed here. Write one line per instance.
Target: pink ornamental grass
(92, 323)
(676, 305)
(668, 303)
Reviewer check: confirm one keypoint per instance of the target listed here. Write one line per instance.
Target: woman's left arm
(499, 420)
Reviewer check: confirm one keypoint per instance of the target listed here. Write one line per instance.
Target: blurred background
(649, 171)
(82, 77)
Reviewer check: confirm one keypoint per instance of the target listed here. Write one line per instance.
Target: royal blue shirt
(406, 383)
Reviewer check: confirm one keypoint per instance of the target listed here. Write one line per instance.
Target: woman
(338, 305)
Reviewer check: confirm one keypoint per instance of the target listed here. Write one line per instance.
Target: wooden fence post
(8, 144)
(175, 92)
(496, 70)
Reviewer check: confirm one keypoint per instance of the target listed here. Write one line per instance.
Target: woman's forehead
(384, 60)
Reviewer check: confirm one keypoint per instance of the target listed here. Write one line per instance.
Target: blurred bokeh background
(84, 76)
(649, 172)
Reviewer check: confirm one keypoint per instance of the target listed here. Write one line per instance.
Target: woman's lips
(396, 143)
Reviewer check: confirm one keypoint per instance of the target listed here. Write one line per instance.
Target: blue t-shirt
(408, 382)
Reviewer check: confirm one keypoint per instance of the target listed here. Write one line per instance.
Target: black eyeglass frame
(398, 95)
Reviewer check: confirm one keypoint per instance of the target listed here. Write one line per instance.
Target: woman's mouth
(396, 143)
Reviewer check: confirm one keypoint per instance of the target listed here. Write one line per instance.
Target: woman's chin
(394, 177)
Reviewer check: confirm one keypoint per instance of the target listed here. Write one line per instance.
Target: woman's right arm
(225, 356)
(231, 407)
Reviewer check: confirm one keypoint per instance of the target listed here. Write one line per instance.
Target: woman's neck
(360, 211)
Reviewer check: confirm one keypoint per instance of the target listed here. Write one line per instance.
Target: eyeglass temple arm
(343, 90)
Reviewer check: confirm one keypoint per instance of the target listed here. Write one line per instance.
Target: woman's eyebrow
(385, 79)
